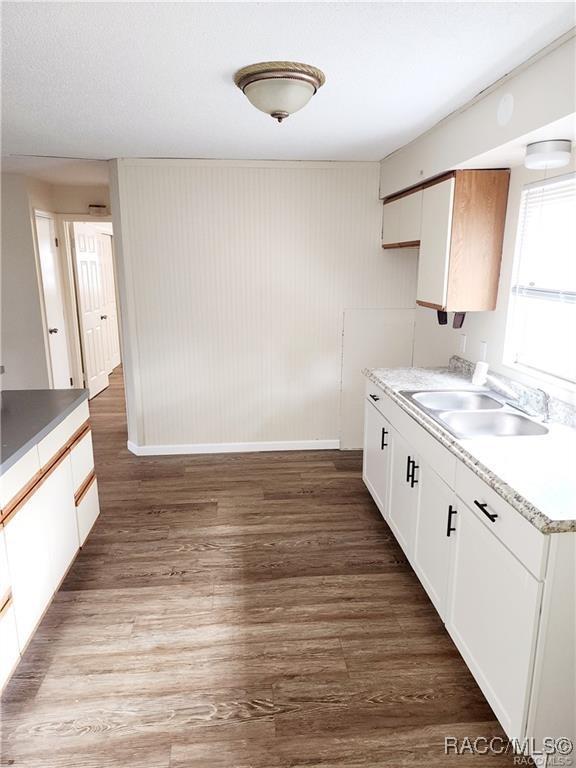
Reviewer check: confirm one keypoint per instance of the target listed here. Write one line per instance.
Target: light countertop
(535, 474)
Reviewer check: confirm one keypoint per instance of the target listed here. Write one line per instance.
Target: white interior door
(53, 302)
(110, 313)
(91, 308)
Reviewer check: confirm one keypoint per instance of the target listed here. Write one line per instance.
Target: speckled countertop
(535, 474)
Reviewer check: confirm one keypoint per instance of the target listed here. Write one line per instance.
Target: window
(542, 331)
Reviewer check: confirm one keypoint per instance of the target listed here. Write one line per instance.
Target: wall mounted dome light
(279, 88)
(548, 154)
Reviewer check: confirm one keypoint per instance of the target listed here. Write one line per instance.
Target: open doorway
(77, 278)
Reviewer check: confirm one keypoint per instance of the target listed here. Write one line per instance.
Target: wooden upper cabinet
(401, 222)
(462, 230)
(457, 220)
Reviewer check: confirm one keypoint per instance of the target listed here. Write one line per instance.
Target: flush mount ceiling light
(279, 88)
(548, 154)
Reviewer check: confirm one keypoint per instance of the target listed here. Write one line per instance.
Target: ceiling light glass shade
(542, 155)
(279, 88)
(279, 96)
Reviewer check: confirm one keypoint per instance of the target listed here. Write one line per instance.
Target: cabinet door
(41, 541)
(8, 643)
(492, 617)
(27, 534)
(435, 234)
(404, 491)
(436, 525)
(376, 460)
(58, 502)
(391, 222)
(410, 217)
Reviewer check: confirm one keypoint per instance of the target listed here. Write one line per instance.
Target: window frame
(510, 346)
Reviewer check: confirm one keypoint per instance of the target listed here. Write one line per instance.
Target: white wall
(234, 279)
(536, 94)
(23, 351)
(433, 344)
(23, 339)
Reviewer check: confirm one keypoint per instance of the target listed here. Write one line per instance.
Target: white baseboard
(286, 445)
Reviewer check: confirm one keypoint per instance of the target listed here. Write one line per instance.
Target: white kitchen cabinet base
(505, 591)
(493, 618)
(87, 511)
(9, 650)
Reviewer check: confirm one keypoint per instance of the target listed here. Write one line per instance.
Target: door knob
(52, 330)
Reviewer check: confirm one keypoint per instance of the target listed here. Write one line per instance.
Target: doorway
(78, 287)
(92, 246)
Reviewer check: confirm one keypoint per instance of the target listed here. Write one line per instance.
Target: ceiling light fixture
(548, 154)
(279, 88)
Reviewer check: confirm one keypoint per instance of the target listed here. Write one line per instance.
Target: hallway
(238, 611)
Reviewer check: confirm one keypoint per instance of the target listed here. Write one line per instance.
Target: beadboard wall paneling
(235, 278)
(373, 338)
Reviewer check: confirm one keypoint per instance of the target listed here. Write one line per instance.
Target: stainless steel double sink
(468, 414)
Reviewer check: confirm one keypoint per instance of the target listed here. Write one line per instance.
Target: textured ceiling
(102, 80)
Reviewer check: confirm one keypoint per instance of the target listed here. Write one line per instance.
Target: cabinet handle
(383, 443)
(408, 468)
(52, 330)
(374, 397)
(413, 479)
(483, 507)
(450, 528)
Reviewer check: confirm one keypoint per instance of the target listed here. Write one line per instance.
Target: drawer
(82, 460)
(57, 439)
(514, 531)
(429, 449)
(87, 510)
(8, 642)
(4, 573)
(18, 476)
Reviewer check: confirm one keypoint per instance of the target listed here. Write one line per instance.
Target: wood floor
(238, 611)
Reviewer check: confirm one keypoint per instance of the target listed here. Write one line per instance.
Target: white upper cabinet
(437, 207)
(401, 221)
(461, 238)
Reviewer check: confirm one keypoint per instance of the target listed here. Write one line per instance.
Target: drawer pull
(413, 479)
(450, 528)
(383, 443)
(375, 398)
(483, 507)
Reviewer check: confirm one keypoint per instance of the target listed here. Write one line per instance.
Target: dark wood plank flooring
(238, 611)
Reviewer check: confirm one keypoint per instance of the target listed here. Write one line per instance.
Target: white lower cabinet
(377, 451)
(493, 617)
(41, 542)
(27, 535)
(404, 493)
(502, 588)
(436, 526)
(9, 651)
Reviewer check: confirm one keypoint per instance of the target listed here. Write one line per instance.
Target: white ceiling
(102, 80)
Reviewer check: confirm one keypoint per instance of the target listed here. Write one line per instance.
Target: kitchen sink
(455, 401)
(468, 424)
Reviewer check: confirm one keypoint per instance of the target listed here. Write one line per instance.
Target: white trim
(199, 162)
(188, 448)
